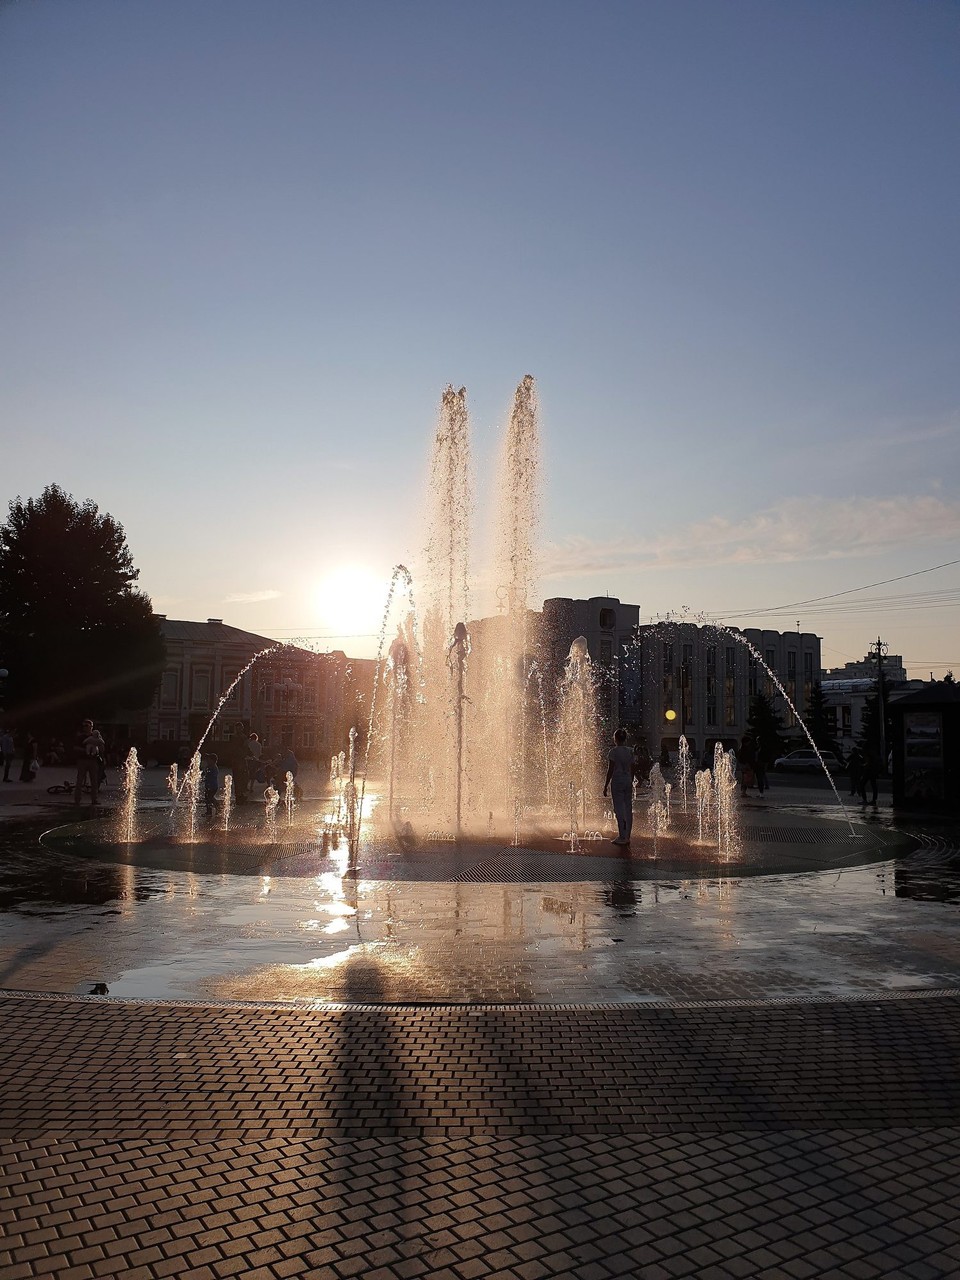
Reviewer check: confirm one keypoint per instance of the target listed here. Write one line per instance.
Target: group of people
(864, 769)
(29, 764)
(257, 770)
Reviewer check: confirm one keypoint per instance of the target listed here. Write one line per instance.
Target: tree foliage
(766, 726)
(75, 634)
(818, 723)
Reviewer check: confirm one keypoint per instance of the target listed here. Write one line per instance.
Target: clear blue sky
(245, 245)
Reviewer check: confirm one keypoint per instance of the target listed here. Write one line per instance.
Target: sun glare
(349, 601)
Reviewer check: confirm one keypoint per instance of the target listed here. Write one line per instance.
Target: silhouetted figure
(88, 749)
(870, 775)
(855, 767)
(210, 775)
(747, 762)
(620, 774)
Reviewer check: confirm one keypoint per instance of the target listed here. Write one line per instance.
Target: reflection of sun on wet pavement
(371, 973)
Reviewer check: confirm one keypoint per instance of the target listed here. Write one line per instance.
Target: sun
(349, 601)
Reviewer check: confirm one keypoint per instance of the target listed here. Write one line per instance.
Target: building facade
(290, 696)
(665, 679)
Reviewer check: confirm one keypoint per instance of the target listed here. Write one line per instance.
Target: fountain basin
(773, 843)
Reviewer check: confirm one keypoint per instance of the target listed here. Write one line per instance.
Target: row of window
(201, 691)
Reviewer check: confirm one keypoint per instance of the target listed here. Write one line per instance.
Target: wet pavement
(486, 923)
(487, 1063)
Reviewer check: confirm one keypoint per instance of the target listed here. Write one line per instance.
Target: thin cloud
(798, 529)
(251, 597)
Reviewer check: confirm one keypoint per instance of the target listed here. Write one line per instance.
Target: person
(287, 763)
(760, 768)
(252, 763)
(7, 749)
(31, 765)
(869, 775)
(747, 760)
(210, 775)
(88, 749)
(621, 771)
(855, 765)
(644, 763)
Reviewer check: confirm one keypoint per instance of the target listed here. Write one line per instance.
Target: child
(211, 781)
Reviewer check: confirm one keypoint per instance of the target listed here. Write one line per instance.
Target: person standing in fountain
(210, 773)
(621, 771)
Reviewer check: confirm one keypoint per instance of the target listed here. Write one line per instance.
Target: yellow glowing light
(349, 601)
(670, 715)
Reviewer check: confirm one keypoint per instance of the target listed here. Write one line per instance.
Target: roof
(215, 632)
(938, 694)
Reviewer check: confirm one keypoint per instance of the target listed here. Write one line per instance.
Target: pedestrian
(621, 770)
(31, 765)
(855, 766)
(760, 769)
(210, 775)
(747, 760)
(88, 749)
(7, 749)
(870, 775)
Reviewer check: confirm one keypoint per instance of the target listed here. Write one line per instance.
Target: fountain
(470, 740)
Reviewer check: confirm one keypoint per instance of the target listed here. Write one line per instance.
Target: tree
(818, 722)
(766, 725)
(75, 635)
(949, 678)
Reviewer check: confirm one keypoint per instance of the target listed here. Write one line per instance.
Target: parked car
(805, 761)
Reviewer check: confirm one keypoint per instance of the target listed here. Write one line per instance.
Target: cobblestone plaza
(485, 1063)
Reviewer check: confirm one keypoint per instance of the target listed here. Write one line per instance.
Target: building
(848, 689)
(699, 681)
(670, 678)
(289, 696)
(609, 628)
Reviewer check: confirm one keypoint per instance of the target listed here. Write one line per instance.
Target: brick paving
(726, 1139)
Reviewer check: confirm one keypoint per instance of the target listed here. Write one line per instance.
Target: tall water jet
(130, 789)
(226, 802)
(509, 719)
(576, 735)
(193, 787)
(683, 770)
(446, 602)
(457, 658)
(725, 792)
(703, 786)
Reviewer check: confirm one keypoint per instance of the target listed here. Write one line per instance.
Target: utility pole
(877, 653)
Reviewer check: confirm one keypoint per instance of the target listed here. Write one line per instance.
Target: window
(606, 650)
(170, 689)
(309, 738)
(201, 689)
(608, 619)
(752, 677)
(228, 679)
(711, 674)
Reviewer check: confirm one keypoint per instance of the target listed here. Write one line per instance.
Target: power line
(796, 604)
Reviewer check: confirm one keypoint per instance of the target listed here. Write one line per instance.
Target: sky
(244, 245)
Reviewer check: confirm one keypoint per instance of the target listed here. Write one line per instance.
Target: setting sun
(349, 601)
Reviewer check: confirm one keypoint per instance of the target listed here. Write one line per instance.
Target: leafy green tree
(818, 722)
(766, 726)
(75, 635)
